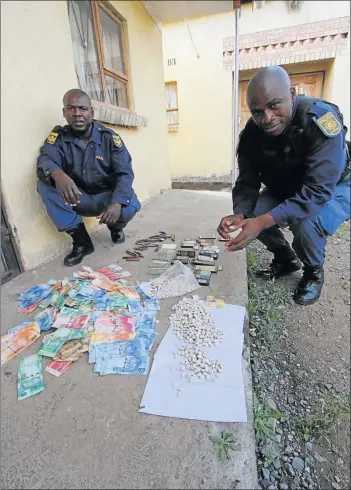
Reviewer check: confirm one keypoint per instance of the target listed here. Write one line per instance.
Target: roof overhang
(167, 11)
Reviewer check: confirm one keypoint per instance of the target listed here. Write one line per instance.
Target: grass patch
(251, 260)
(224, 444)
(326, 420)
(342, 231)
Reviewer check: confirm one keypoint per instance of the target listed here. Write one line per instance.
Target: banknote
(116, 302)
(46, 318)
(112, 322)
(147, 320)
(134, 306)
(51, 347)
(148, 337)
(109, 337)
(151, 304)
(104, 283)
(134, 347)
(15, 342)
(57, 368)
(30, 376)
(78, 322)
(70, 348)
(86, 273)
(19, 327)
(53, 342)
(113, 272)
(129, 292)
(112, 364)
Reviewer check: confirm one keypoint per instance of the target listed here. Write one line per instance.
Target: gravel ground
(301, 373)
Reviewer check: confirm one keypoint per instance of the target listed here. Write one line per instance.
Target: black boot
(310, 287)
(283, 263)
(117, 236)
(82, 245)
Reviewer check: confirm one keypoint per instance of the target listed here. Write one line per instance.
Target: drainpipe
(235, 91)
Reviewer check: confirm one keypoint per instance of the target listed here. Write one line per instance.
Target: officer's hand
(251, 228)
(229, 224)
(67, 188)
(111, 214)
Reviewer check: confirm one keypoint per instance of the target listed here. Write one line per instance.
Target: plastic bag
(175, 281)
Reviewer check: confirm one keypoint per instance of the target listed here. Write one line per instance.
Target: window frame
(174, 83)
(95, 5)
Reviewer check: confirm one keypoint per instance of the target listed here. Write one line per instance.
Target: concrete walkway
(84, 431)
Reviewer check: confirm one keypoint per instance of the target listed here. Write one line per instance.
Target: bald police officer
(84, 169)
(296, 147)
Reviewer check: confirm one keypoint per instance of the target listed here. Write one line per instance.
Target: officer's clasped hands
(66, 188)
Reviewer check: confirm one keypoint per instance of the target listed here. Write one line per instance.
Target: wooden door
(309, 84)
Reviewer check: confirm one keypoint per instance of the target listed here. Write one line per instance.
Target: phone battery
(186, 253)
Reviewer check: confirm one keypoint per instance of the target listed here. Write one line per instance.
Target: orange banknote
(14, 343)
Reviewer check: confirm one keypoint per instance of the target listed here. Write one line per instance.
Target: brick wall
(295, 44)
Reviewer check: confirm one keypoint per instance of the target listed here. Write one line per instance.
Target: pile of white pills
(192, 322)
(198, 365)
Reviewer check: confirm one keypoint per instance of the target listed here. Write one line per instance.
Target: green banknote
(30, 376)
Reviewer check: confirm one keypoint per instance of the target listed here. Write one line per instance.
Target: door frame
(13, 242)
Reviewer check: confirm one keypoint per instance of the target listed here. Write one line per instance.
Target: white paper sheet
(220, 401)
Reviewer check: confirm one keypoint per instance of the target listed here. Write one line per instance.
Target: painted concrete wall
(37, 69)
(203, 144)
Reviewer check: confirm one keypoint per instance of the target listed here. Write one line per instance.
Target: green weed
(224, 444)
(262, 415)
(326, 420)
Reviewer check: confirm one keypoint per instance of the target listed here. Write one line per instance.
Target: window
(172, 106)
(97, 37)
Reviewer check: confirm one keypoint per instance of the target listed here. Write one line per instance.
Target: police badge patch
(328, 124)
(117, 141)
(52, 138)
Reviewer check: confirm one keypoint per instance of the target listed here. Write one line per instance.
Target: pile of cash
(99, 312)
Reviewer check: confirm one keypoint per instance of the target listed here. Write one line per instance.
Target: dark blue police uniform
(102, 171)
(306, 177)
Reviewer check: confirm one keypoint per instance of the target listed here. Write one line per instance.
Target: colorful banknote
(57, 368)
(77, 322)
(112, 364)
(30, 376)
(15, 342)
(147, 320)
(112, 322)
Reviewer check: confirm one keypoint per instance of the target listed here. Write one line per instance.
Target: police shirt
(101, 165)
(300, 168)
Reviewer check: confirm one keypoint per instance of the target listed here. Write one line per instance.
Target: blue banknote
(124, 365)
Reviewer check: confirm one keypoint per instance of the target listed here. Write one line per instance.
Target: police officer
(296, 147)
(84, 169)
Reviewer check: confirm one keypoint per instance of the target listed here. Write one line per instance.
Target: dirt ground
(309, 349)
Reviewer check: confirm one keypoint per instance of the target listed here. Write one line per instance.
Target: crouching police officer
(296, 147)
(84, 169)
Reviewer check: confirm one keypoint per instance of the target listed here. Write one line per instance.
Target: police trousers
(67, 217)
(310, 235)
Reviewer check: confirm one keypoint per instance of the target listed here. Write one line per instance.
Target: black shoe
(82, 246)
(279, 268)
(117, 236)
(310, 287)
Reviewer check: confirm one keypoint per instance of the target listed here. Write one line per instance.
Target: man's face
(78, 112)
(270, 104)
